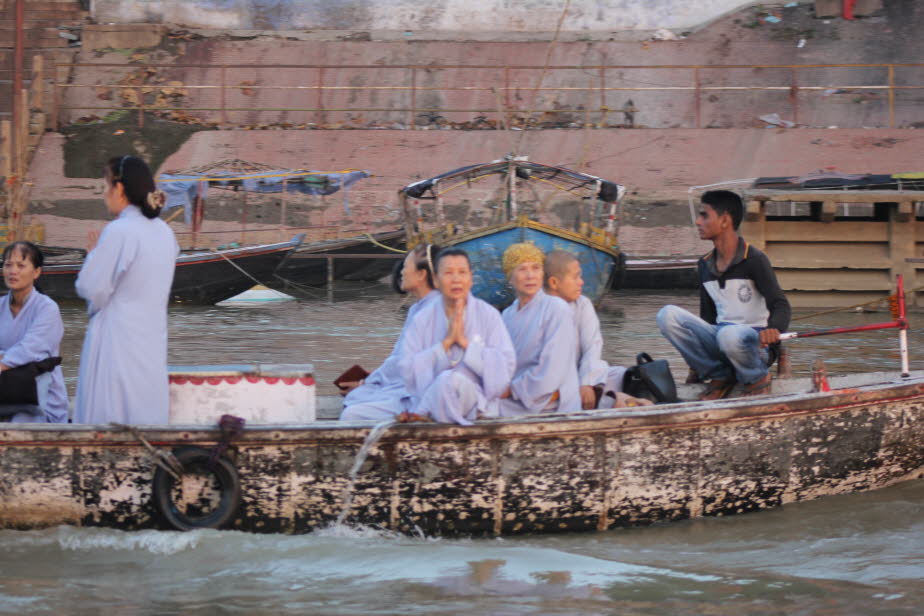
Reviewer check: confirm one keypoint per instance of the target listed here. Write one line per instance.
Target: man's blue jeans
(723, 352)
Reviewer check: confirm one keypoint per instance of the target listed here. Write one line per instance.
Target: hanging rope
(375, 242)
(239, 268)
(545, 69)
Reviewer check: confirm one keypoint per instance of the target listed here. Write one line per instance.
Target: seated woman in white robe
(126, 281)
(542, 329)
(563, 279)
(30, 331)
(457, 358)
(382, 394)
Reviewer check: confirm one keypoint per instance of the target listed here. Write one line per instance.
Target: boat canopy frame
(584, 185)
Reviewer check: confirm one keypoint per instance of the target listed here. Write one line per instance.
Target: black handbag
(650, 379)
(17, 385)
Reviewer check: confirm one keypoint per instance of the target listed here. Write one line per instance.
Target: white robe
(458, 386)
(126, 281)
(592, 369)
(32, 335)
(543, 335)
(383, 394)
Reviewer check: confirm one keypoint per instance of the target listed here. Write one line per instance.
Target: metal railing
(506, 107)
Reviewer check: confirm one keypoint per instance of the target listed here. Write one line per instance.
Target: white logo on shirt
(744, 293)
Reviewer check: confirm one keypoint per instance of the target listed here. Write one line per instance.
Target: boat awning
(561, 178)
(182, 188)
(843, 181)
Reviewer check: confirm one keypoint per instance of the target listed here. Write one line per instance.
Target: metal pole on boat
(408, 221)
(903, 331)
(440, 216)
(611, 223)
(330, 279)
(282, 215)
(197, 213)
(512, 188)
(244, 216)
(595, 217)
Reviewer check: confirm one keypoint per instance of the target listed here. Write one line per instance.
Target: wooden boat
(202, 277)
(308, 265)
(515, 219)
(592, 470)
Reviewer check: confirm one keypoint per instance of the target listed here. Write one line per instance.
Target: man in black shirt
(742, 307)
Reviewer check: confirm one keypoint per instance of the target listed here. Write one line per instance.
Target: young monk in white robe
(563, 279)
(457, 358)
(126, 281)
(542, 329)
(382, 395)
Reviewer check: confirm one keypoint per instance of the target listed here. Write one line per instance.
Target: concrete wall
(435, 15)
(657, 166)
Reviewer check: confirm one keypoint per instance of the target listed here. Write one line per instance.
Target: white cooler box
(261, 394)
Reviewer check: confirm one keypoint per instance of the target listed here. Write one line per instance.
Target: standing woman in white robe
(31, 330)
(457, 358)
(542, 329)
(382, 394)
(126, 280)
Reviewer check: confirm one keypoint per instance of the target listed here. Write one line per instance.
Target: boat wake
(75, 539)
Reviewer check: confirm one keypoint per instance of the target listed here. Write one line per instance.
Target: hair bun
(156, 199)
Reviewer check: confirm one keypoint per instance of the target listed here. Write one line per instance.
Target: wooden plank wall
(837, 262)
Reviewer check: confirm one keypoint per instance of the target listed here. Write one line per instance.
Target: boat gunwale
(818, 194)
(346, 242)
(191, 258)
(679, 416)
(531, 224)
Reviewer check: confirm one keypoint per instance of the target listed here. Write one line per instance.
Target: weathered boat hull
(581, 472)
(200, 278)
(208, 278)
(305, 268)
(486, 251)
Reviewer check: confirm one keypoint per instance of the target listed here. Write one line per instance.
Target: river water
(856, 554)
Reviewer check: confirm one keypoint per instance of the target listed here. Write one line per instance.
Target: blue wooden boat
(591, 236)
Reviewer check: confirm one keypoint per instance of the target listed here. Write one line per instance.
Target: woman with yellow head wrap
(543, 334)
(517, 254)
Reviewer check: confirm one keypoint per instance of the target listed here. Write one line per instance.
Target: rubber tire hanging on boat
(226, 476)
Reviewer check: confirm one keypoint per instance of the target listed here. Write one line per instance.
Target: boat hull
(486, 252)
(579, 472)
(199, 278)
(303, 268)
(660, 273)
(212, 278)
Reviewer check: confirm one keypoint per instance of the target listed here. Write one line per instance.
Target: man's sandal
(716, 389)
(759, 387)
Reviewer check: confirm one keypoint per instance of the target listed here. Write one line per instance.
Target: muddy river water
(857, 554)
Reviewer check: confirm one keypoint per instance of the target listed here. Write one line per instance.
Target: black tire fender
(226, 476)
